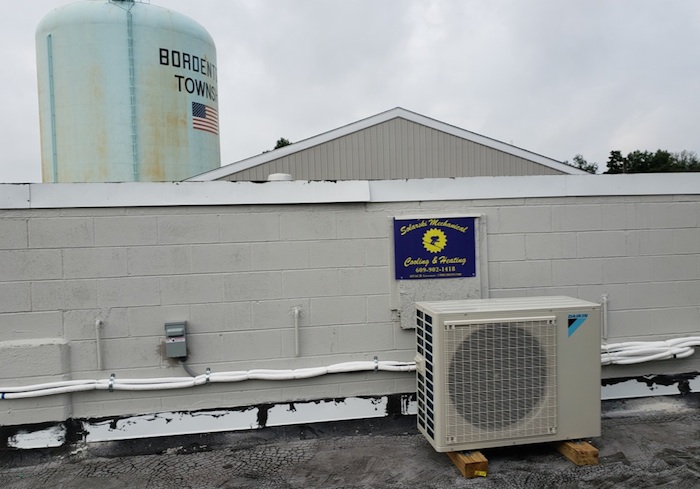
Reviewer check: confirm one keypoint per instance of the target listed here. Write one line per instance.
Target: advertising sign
(434, 248)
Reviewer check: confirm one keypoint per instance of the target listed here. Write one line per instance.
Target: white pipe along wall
(612, 354)
(166, 383)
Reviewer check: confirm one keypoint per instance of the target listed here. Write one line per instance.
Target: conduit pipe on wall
(604, 322)
(615, 353)
(65, 387)
(98, 343)
(647, 351)
(296, 310)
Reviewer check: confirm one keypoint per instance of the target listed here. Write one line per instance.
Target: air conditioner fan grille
(499, 376)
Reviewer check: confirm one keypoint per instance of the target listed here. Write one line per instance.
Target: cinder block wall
(235, 273)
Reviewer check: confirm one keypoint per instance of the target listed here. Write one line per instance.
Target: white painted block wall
(235, 273)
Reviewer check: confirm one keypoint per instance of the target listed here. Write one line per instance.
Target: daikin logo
(575, 322)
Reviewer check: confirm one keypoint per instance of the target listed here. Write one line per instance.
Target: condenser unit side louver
(497, 372)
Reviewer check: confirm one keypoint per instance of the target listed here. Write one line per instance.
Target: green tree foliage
(281, 143)
(648, 162)
(580, 162)
(688, 160)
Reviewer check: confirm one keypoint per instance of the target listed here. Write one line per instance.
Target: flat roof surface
(648, 442)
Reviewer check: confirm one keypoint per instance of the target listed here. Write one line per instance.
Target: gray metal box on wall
(500, 372)
(176, 340)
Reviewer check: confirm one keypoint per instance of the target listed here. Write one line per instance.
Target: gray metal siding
(396, 149)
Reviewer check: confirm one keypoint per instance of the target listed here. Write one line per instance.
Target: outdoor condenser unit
(498, 372)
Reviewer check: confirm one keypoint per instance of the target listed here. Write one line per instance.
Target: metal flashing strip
(541, 186)
(15, 196)
(650, 386)
(165, 194)
(211, 421)
(664, 389)
(155, 194)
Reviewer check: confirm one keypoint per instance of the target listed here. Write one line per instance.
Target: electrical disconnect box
(175, 339)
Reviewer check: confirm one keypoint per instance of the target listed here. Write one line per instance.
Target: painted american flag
(205, 118)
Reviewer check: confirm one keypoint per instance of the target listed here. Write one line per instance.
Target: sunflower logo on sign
(434, 240)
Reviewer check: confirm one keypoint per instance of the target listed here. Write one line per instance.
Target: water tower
(127, 92)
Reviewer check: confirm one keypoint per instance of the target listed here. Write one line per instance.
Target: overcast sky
(554, 77)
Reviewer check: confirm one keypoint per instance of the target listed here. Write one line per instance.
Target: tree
(688, 160)
(616, 163)
(580, 162)
(281, 143)
(648, 162)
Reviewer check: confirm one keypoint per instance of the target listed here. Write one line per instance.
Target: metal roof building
(396, 144)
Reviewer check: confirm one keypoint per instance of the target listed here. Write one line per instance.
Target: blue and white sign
(434, 248)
